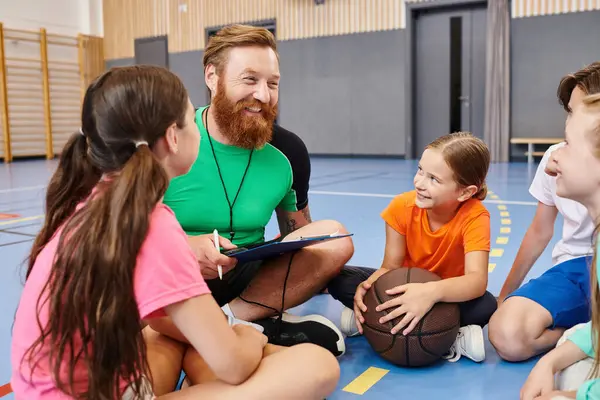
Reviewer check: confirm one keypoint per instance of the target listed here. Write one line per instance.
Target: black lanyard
(231, 205)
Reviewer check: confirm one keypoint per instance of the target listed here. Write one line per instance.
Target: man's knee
(340, 250)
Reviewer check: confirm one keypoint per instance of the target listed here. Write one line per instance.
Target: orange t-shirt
(443, 251)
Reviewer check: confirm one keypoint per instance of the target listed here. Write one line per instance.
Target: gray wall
(188, 66)
(341, 101)
(121, 62)
(345, 94)
(543, 49)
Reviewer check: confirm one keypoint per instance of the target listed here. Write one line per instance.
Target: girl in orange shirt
(441, 226)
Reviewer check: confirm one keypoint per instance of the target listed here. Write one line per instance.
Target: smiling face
(246, 93)
(434, 182)
(578, 162)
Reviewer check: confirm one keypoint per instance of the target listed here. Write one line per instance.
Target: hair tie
(141, 143)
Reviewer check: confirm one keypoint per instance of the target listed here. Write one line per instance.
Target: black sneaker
(315, 329)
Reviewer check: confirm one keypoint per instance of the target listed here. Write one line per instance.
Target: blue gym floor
(353, 191)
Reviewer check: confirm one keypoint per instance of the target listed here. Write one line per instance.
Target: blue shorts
(563, 290)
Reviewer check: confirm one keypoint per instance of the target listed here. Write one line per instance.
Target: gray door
(449, 73)
(152, 51)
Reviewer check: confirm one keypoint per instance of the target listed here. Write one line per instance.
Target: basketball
(429, 340)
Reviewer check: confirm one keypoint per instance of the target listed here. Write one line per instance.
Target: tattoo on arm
(291, 221)
(306, 213)
(291, 225)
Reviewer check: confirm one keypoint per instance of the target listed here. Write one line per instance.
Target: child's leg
(533, 318)
(478, 311)
(474, 315)
(197, 371)
(299, 372)
(165, 358)
(343, 286)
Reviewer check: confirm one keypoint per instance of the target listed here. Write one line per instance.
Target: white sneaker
(234, 321)
(348, 323)
(468, 343)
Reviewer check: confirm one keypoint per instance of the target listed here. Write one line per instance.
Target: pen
(216, 239)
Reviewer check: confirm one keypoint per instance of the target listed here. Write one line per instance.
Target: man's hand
(209, 257)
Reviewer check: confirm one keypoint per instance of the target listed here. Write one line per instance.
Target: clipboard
(277, 247)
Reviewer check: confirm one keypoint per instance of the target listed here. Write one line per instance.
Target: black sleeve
(295, 150)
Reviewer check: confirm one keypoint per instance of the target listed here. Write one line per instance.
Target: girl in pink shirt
(111, 257)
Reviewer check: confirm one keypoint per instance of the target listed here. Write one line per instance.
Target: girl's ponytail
(482, 192)
(72, 182)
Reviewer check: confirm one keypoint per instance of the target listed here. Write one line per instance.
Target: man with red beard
(247, 168)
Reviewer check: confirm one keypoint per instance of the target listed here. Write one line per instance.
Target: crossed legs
(535, 316)
(304, 371)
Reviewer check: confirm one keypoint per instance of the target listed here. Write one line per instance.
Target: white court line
(390, 196)
(22, 189)
(321, 192)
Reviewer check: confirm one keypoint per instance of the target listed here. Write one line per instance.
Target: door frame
(412, 9)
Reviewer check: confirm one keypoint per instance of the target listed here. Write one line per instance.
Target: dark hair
(587, 78)
(468, 157)
(93, 316)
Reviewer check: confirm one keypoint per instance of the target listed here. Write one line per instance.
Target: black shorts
(234, 282)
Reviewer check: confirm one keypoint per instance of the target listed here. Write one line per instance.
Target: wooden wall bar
(42, 78)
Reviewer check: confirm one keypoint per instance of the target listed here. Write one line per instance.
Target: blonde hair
(468, 157)
(592, 104)
(232, 36)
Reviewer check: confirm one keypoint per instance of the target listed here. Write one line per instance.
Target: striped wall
(184, 21)
(531, 8)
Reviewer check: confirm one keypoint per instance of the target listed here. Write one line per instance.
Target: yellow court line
(16, 221)
(501, 207)
(366, 380)
(505, 221)
(496, 252)
(502, 240)
(505, 229)
(491, 267)
(504, 214)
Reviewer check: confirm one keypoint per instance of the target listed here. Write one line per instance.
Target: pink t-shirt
(166, 272)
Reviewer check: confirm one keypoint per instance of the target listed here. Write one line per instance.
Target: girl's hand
(415, 300)
(359, 305)
(251, 335)
(540, 382)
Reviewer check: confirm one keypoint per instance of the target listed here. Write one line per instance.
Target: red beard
(240, 129)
